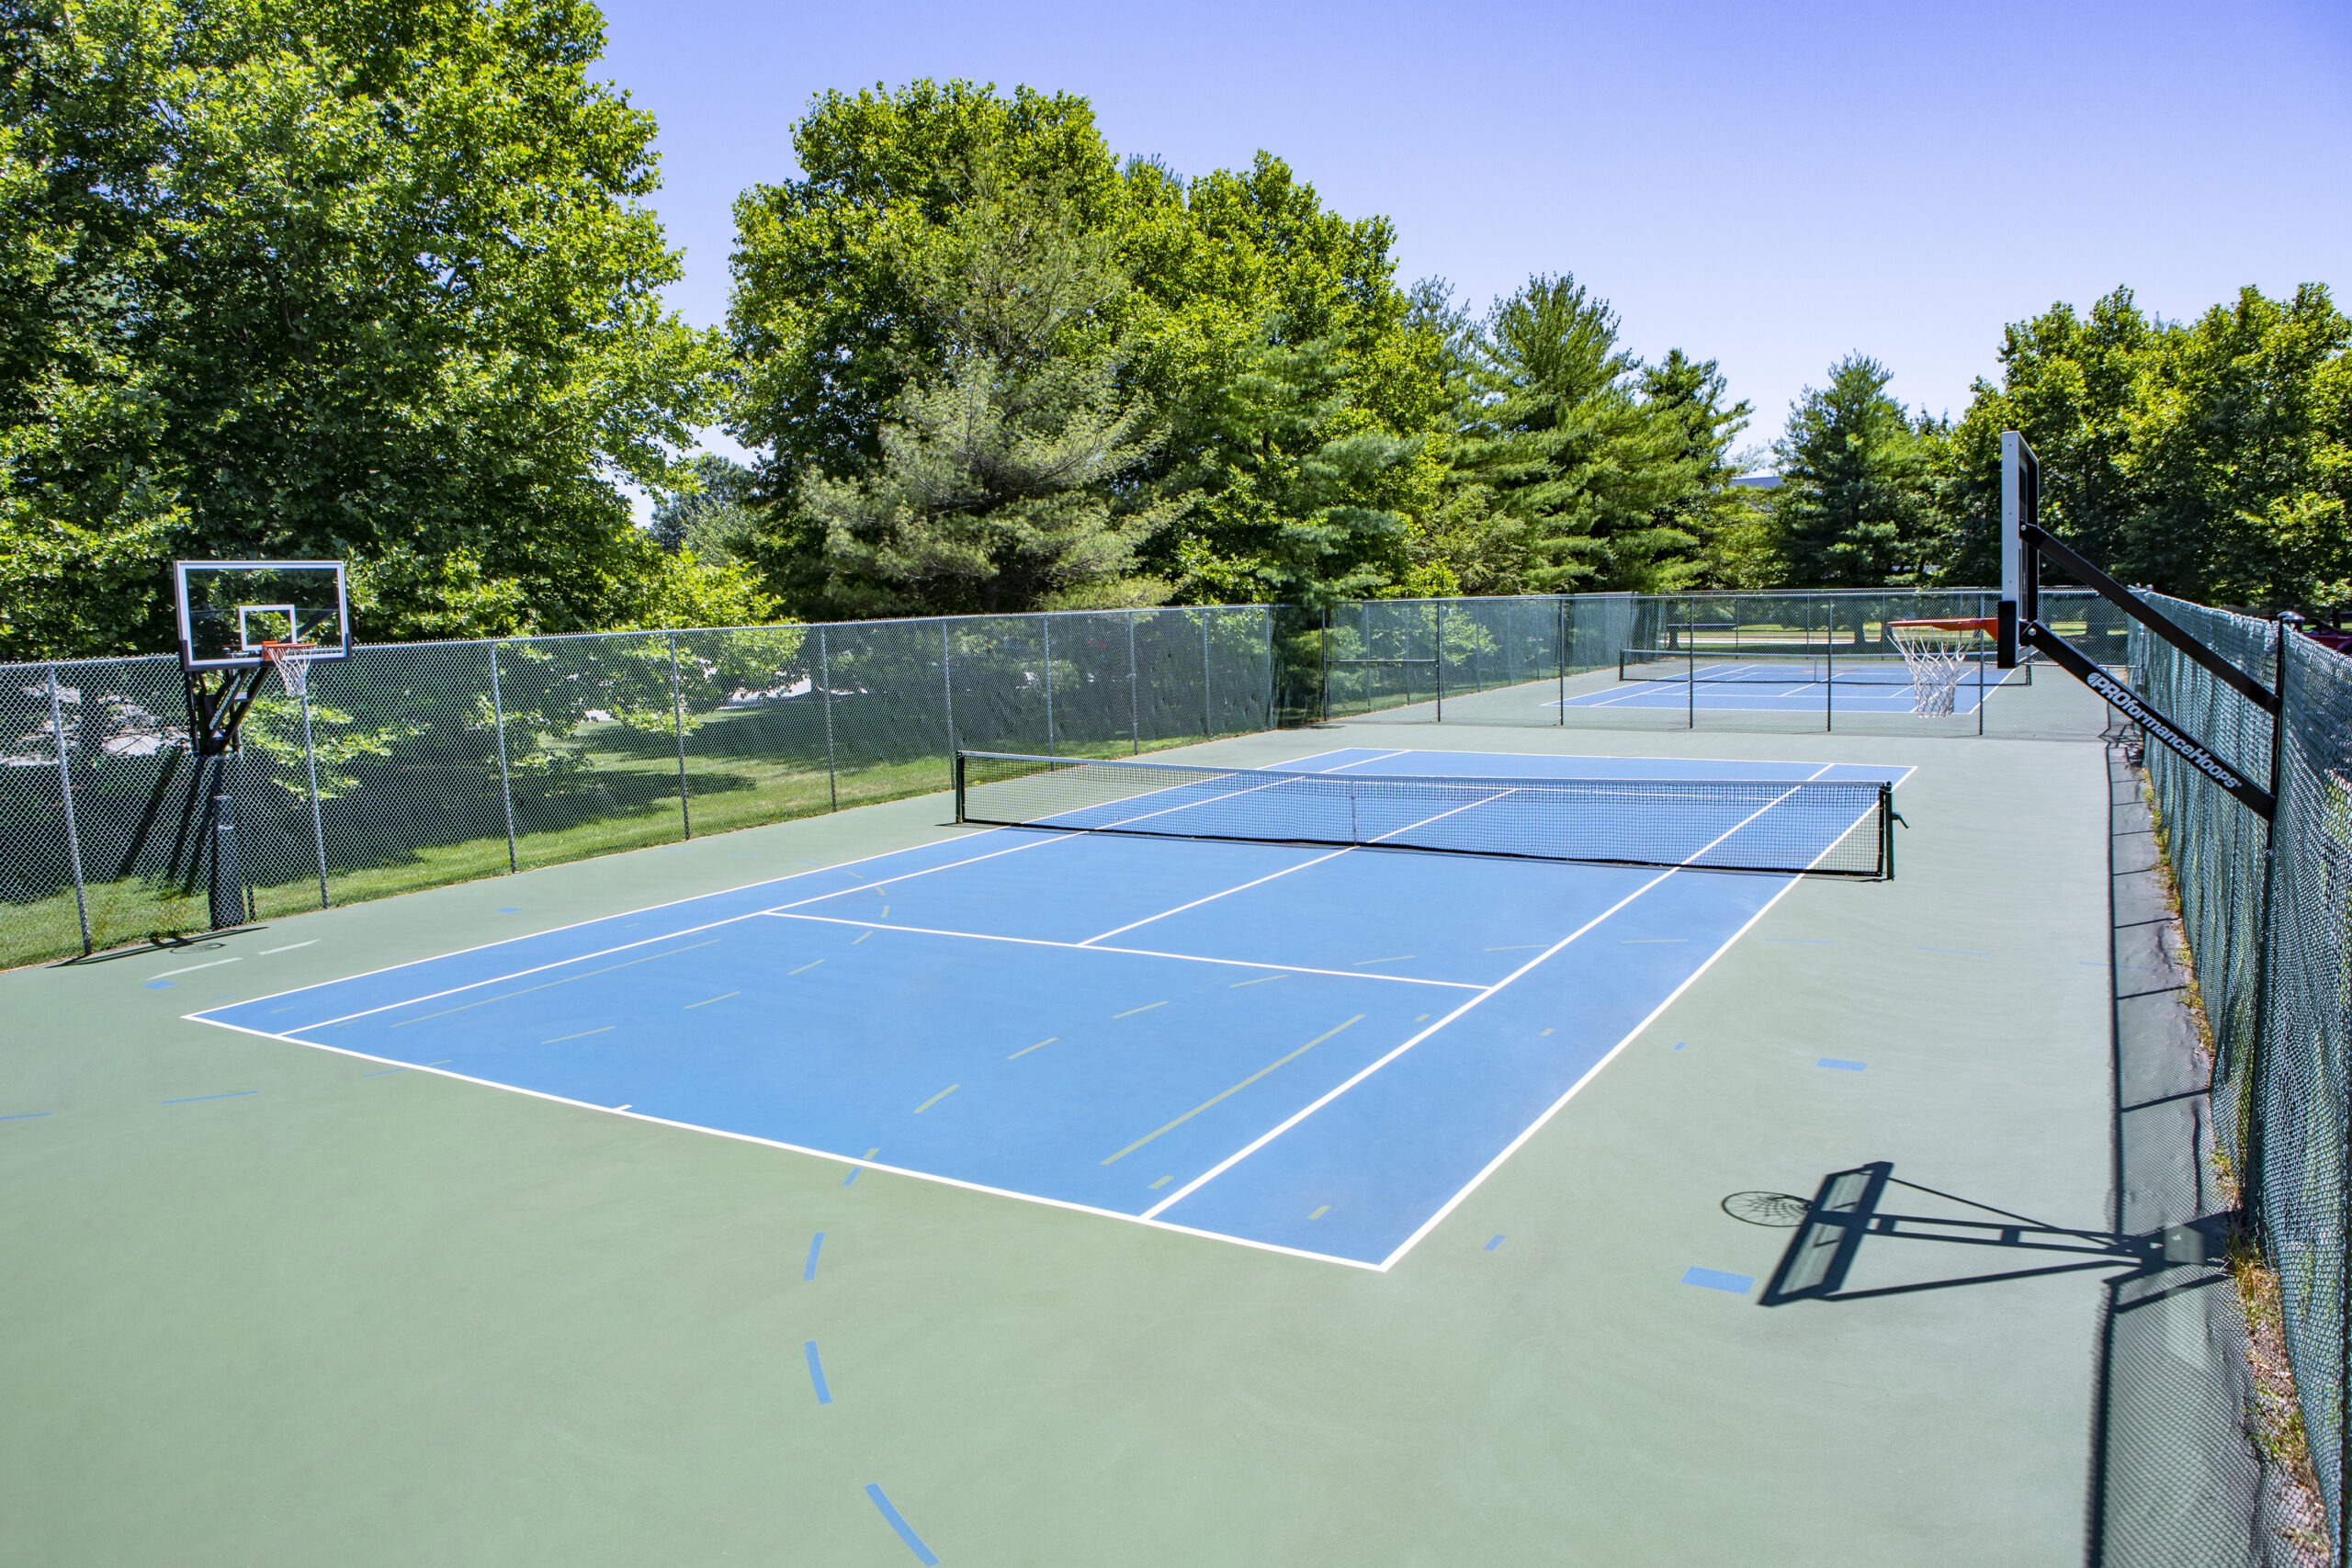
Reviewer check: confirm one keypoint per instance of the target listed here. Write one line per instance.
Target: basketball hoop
(292, 663)
(1937, 653)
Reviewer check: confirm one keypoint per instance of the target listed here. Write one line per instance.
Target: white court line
(1211, 898)
(1318, 860)
(865, 1163)
(1038, 842)
(646, 909)
(1131, 952)
(1594, 1071)
(1304, 1113)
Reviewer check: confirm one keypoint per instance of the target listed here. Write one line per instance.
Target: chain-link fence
(1774, 661)
(2268, 917)
(411, 765)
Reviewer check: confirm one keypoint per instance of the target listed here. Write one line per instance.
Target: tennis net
(1789, 667)
(1835, 827)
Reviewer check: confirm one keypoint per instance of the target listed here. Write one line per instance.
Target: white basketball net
(1937, 655)
(292, 663)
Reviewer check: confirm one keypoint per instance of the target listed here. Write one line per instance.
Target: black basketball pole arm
(2032, 631)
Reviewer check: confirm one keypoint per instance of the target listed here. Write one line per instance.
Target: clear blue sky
(1768, 184)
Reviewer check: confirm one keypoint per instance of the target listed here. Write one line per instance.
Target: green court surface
(273, 1305)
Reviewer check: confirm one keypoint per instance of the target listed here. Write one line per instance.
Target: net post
(825, 692)
(498, 725)
(65, 800)
(678, 725)
(1886, 830)
(956, 767)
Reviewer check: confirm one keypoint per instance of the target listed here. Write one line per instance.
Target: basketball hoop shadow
(1850, 1207)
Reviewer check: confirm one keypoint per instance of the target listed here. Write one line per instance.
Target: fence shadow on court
(2176, 1475)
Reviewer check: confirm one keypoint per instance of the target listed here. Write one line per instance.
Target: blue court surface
(1766, 687)
(1318, 1051)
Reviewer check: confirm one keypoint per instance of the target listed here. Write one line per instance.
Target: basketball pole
(215, 719)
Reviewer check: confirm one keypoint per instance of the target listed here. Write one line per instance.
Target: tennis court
(1247, 1005)
(1853, 682)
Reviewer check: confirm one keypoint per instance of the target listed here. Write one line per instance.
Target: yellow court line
(1259, 981)
(1362, 962)
(1547, 1032)
(581, 1035)
(1517, 947)
(861, 938)
(708, 1000)
(935, 1099)
(804, 968)
(1041, 1044)
(1321, 1210)
(1162, 1182)
(1237, 1088)
(527, 990)
(1145, 1008)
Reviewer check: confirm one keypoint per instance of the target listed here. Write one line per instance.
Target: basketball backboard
(228, 609)
(2020, 505)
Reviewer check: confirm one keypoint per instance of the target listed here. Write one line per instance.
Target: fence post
(825, 690)
(1134, 710)
(678, 722)
(2251, 1183)
(1560, 629)
(498, 725)
(1047, 622)
(65, 795)
(1690, 667)
(1323, 652)
(1209, 713)
(1980, 675)
(1439, 662)
(310, 770)
(1829, 675)
(947, 687)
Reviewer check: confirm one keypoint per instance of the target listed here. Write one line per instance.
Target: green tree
(718, 519)
(2071, 383)
(2211, 458)
(1237, 286)
(1851, 510)
(1593, 472)
(1689, 397)
(364, 279)
(994, 488)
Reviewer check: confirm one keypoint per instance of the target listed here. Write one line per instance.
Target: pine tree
(1569, 449)
(994, 487)
(1852, 508)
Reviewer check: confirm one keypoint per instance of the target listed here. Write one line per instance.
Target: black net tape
(1832, 826)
